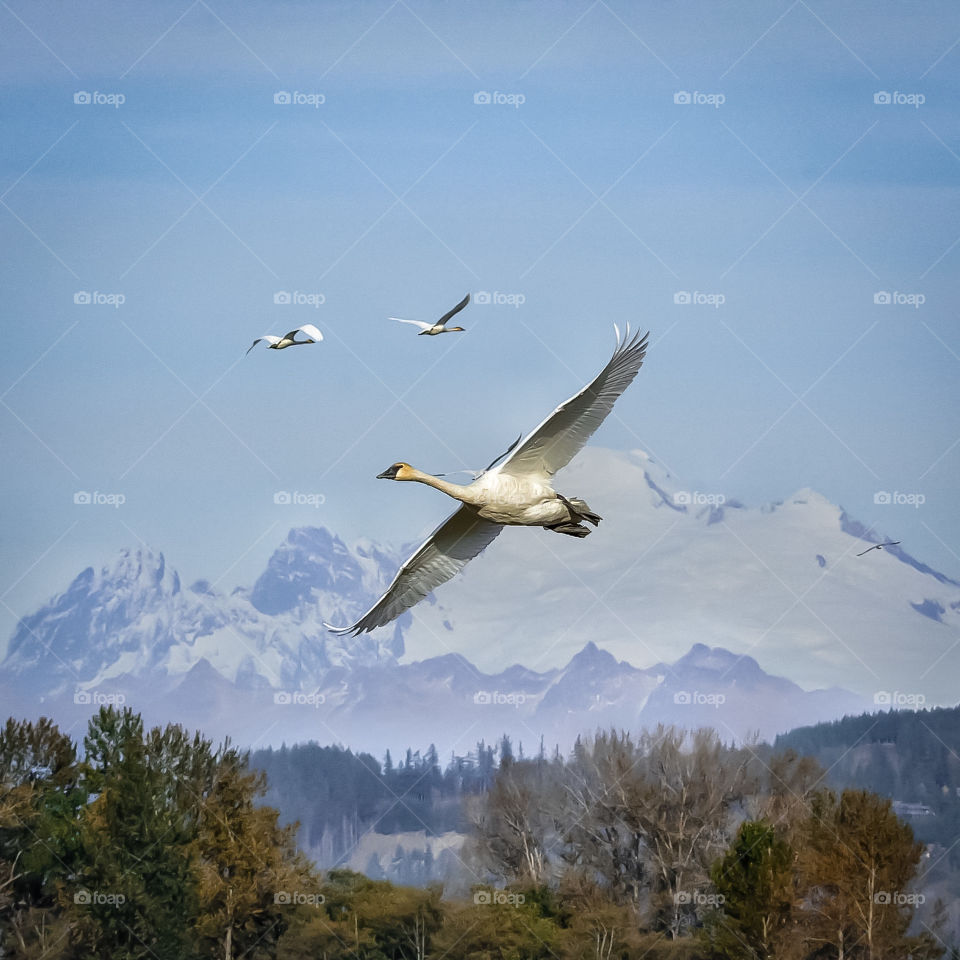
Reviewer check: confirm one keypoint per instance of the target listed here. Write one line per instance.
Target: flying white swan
(287, 340)
(432, 329)
(518, 492)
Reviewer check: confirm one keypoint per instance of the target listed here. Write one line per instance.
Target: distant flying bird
(879, 546)
(287, 340)
(432, 329)
(518, 492)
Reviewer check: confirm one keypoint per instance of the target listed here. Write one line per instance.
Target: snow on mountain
(669, 568)
(752, 594)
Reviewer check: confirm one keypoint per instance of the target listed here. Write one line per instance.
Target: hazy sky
(628, 157)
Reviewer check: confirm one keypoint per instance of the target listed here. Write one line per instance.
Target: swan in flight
(517, 492)
(432, 329)
(287, 340)
(879, 546)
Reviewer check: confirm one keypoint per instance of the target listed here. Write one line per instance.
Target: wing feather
(454, 311)
(268, 338)
(461, 537)
(416, 323)
(311, 331)
(556, 441)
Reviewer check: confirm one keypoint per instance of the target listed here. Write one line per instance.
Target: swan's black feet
(579, 510)
(571, 529)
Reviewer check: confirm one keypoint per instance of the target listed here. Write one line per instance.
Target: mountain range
(677, 571)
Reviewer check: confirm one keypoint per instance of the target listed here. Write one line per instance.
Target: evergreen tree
(754, 884)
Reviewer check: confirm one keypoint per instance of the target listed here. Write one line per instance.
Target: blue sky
(598, 199)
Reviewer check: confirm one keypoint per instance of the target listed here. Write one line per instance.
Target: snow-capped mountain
(665, 573)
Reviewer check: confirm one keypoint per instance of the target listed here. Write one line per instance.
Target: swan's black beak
(389, 474)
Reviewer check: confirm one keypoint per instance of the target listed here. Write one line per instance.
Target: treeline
(741, 851)
(152, 844)
(336, 795)
(908, 755)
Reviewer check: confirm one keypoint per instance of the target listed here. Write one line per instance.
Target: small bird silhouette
(879, 546)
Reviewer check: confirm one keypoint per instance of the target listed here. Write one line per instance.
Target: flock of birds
(313, 335)
(516, 489)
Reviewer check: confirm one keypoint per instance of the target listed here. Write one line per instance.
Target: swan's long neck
(459, 492)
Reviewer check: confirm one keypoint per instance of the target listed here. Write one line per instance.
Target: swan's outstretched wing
(311, 331)
(416, 323)
(454, 311)
(562, 435)
(441, 556)
(268, 338)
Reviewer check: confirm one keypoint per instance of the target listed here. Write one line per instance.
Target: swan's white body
(289, 339)
(517, 492)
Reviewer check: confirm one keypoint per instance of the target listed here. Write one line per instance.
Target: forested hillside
(911, 756)
(155, 843)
